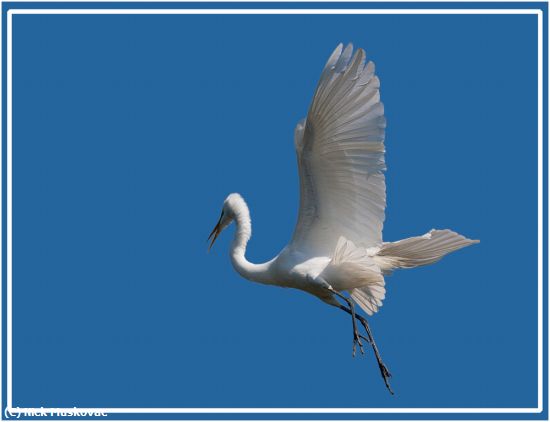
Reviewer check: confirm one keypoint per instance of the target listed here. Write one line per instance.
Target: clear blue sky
(129, 132)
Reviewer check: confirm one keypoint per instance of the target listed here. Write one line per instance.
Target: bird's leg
(356, 336)
(383, 369)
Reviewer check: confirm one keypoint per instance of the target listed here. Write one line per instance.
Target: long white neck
(254, 272)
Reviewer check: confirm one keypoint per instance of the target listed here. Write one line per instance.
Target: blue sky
(129, 132)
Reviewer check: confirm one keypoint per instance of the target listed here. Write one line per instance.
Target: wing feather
(340, 151)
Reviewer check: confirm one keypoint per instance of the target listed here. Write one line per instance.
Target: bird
(336, 252)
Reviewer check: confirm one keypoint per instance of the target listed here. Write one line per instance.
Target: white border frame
(10, 410)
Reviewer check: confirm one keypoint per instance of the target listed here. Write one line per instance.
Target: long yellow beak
(215, 233)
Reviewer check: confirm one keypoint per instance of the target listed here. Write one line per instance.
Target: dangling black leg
(356, 336)
(383, 369)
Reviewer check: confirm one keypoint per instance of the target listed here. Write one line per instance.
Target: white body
(337, 243)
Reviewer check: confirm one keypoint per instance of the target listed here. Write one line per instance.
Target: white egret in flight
(337, 245)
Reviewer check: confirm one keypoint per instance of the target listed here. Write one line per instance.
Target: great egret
(337, 244)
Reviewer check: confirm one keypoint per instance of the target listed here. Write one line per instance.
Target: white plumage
(337, 243)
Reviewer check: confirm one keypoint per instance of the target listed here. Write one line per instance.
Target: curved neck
(250, 271)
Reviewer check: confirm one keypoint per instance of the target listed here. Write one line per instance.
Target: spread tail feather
(420, 250)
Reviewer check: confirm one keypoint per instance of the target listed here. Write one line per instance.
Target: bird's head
(230, 205)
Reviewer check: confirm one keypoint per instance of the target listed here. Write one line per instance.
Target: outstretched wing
(340, 149)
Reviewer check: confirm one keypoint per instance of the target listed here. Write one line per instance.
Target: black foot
(357, 342)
